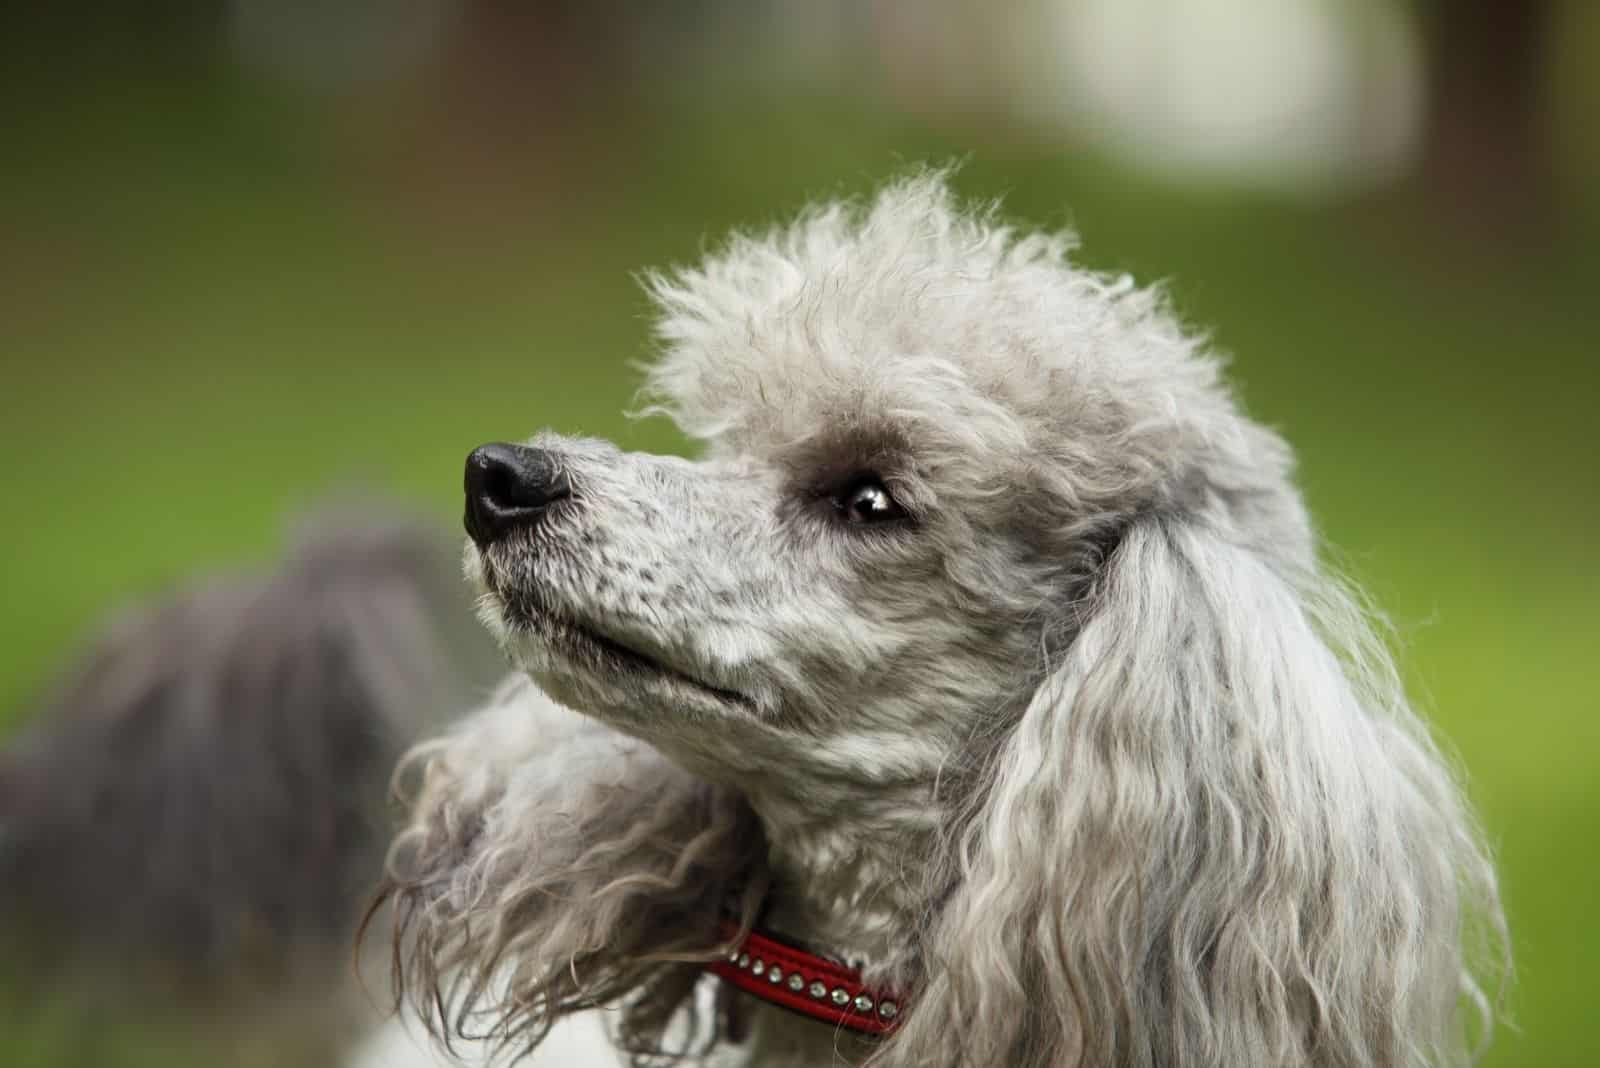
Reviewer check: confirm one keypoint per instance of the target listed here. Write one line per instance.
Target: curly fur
(618, 887)
(1090, 752)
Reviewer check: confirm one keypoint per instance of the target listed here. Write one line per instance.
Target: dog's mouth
(601, 652)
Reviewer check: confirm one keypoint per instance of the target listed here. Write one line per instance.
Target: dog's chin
(586, 669)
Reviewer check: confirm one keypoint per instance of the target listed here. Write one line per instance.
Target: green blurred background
(255, 254)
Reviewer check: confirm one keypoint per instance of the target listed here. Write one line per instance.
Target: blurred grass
(217, 308)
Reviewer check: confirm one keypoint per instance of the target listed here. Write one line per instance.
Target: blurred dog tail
(206, 788)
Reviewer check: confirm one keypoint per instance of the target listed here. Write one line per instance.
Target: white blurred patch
(1300, 94)
(575, 1042)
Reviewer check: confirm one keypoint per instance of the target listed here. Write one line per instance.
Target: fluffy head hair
(993, 634)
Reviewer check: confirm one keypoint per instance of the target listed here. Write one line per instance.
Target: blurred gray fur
(202, 798)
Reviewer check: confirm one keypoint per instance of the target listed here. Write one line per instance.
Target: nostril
(499, 486)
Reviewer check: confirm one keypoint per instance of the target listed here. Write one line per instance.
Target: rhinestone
(818, 990)
(840, 996)
(774, 974)
(888, 1010)
(744, 960)
(863, 1003)
(796, 983)
(759, 967)
(733, 958)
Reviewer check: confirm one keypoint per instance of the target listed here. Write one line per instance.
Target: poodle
(985, 652)
(191, 824)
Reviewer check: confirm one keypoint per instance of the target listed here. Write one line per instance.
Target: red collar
(808, 984)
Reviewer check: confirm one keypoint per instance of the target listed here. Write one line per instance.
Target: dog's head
(984, 533)
(923, 439)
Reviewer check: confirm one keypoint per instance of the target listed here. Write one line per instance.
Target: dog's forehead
(874, 407)
(916, 321)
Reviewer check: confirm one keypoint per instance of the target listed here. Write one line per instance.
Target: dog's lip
(562, 628)
(635, 658)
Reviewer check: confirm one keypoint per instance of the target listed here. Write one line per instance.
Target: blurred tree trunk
(547, 62)
(504, 128)
(1487, 155)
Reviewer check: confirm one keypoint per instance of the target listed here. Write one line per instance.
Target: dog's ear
(1216, 836)
(552, 865)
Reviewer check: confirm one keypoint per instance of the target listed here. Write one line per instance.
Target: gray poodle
(985, 650)
(194, 816)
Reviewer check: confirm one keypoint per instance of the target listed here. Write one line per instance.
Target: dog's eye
(866, 501)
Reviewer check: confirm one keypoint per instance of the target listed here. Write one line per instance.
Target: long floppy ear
(552, 865)
(1217, 835)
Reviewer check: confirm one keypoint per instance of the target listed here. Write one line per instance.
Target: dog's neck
(850, 875)
(849, 880)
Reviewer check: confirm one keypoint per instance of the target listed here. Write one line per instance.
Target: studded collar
(785, 975)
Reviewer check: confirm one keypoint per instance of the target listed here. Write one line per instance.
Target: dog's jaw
(847, 863)
(852, 814)
(589, 664)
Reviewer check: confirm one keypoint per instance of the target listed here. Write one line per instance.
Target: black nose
(510, 486)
